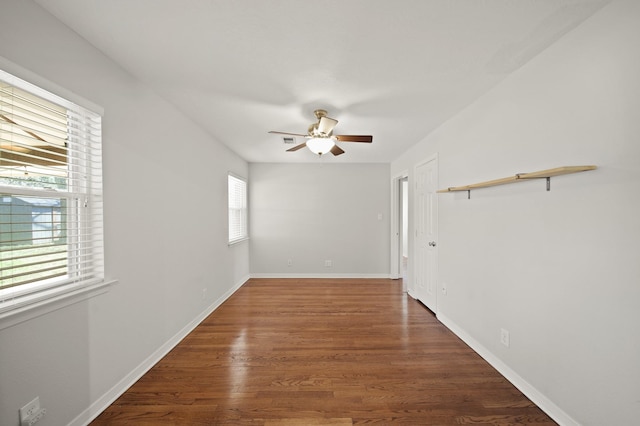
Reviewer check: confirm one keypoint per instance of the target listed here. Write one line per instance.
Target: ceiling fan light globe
(320, 146)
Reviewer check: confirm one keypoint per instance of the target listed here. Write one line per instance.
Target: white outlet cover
(30, 409)
(504, 337)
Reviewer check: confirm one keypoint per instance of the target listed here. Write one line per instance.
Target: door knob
(432, 243)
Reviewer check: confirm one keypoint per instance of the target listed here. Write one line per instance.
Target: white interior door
(426, 242)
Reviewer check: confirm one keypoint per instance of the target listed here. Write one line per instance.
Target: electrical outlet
(30, 409)
(289, 262)
(328, 263)
(204, 294)
(504, 337)
(31, 413)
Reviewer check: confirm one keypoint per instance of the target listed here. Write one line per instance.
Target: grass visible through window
(25, 264)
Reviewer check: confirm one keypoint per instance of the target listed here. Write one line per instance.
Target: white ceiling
(393, 69)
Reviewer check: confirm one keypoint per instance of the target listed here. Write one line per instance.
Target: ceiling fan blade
(297, 147)
(354, 138)
(326, 125)
(336, 150)
(290, 134)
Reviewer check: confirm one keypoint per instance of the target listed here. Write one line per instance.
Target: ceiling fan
(320, 137)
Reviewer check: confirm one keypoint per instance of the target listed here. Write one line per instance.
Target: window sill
(234, 242)
(35, 305)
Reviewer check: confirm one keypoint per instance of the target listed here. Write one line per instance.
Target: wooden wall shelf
(542, 174)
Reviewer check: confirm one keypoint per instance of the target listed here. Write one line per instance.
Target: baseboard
(552, 410)
(114, 393)
(327, 276)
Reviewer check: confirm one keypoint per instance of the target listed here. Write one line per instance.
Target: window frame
(244, 210)
(26, 301)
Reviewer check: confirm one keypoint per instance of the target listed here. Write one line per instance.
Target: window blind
(51, 231)
(237, 209)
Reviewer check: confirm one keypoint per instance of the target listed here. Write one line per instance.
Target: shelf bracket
(468, 194)
(547, 178)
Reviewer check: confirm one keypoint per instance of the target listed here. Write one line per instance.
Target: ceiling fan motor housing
(319, 113)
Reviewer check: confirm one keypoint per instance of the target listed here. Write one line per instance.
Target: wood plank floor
(322, 352)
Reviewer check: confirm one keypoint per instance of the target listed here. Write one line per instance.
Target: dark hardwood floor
(322, 352)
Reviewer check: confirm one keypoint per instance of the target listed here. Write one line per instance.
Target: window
(237, 209)
(50, 195)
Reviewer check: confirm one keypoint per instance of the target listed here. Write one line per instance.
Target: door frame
(396, 223)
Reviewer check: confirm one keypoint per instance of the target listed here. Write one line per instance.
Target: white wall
(559, 270)
(165, 235)
(320, 211)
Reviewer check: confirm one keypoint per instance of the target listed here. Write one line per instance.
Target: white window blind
(237, 209)
(51, 232)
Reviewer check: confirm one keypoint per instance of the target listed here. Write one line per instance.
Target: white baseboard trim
(327, 276)
(114, 393)
(546, 405)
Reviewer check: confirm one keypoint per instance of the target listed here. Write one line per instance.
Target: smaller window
(237, 209)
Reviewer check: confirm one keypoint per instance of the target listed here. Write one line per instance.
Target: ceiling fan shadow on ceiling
(320, 137)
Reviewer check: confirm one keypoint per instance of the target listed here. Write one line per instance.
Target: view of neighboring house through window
(50, 192)
(237, 209)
